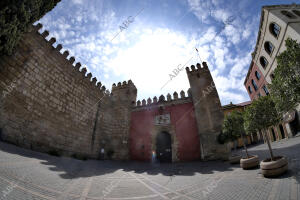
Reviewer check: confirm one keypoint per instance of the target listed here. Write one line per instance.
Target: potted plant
(250, 161)
(233, 128)
(262, 114)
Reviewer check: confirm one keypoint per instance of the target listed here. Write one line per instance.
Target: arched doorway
(164, 147)
(273, 133)
(294, 124)
(281, 131)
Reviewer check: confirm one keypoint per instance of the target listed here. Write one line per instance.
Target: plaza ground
(25, 174)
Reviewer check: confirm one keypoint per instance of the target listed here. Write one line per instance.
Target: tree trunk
(268, 142)
(245, 147)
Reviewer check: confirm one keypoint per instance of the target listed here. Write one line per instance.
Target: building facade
(277, 23)
(235, 107)
(255, 82)
(252, 138)
(50, 104)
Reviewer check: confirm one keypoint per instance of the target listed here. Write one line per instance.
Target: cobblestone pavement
(30, 175)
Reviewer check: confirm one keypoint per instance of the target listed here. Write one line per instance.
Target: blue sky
(160, 35)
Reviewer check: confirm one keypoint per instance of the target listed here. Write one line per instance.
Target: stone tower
(208, 111)
(125, 92)
(115, 120)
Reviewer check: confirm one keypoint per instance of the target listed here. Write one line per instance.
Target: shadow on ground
(291, 152)
(72, 168)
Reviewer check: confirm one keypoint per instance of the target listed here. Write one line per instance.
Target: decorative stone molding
(171, 130)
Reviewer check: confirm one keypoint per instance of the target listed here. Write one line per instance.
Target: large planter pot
(248, 163)
(234, 159)
(276, 167)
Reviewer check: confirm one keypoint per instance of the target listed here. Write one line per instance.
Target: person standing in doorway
(153, 157)
(102, 153)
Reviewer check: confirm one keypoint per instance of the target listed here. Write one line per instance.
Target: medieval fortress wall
(197, 115)
(47, 103)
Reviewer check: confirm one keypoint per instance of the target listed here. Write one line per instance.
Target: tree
(285, 87)
(233, 128)
(260, 115)
(16, 16)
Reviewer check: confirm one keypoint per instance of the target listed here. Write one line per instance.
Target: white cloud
(232, 97)
(147, 55)
(150, 61)
(246, 33)
(77, 1)
(241, 66)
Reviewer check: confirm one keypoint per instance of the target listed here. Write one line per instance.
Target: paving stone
(33, 175)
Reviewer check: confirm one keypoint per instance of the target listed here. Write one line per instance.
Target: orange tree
(260, 115)
(233, 128)
(285, 87)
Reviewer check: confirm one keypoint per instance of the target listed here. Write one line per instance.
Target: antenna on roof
(198, 55)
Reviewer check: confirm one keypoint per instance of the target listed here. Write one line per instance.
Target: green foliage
(221, 138)
(248, 125)
(285, 87)
(261, 114)
(15, 18)
(232, 127)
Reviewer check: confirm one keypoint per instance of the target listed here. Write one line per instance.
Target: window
(258, 95)
(263, 61)
(275, 29)
(257, 75)
(269, 47)
(296, 12)
(254, 85)
(288, 14)
(249, 89)
(266, 90)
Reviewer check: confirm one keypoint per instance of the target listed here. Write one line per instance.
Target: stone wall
(208, 112)
(47, 104)
(114, 120)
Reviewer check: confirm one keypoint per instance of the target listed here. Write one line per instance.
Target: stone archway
(164, 147)
(281, 131)
(157, 129)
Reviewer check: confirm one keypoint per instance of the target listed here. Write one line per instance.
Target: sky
(147, 40)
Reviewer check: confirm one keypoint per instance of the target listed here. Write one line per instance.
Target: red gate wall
(182, 118)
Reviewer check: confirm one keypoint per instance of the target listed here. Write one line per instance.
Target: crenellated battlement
(122, 85)
(164, 100)
(199, 68)
(125, 91)
(69, 61)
